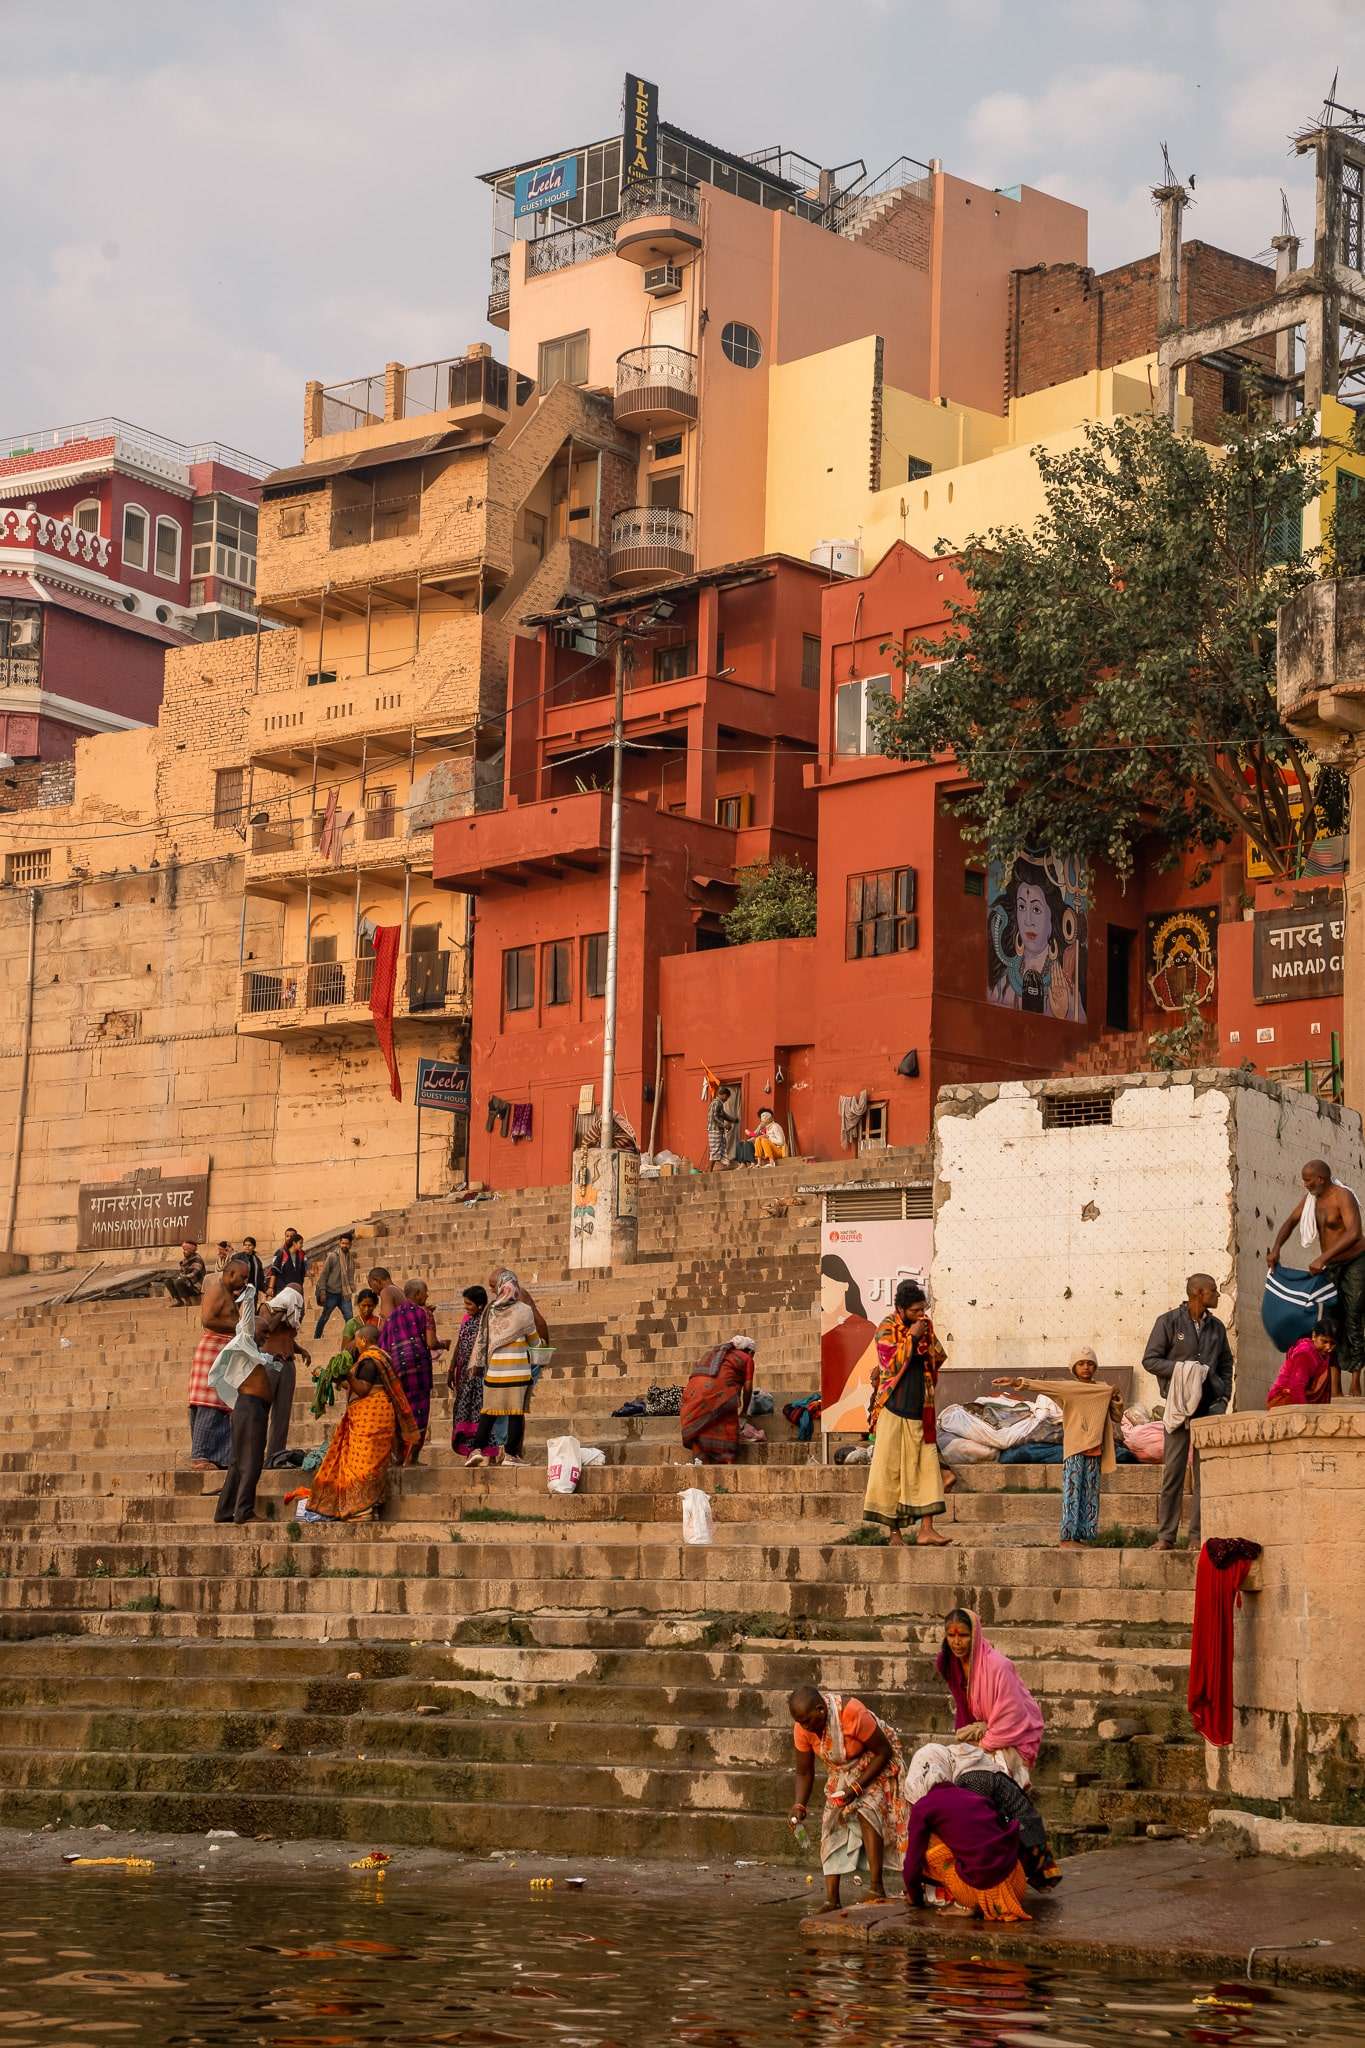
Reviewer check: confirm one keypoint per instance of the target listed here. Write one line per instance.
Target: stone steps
(597, 1684)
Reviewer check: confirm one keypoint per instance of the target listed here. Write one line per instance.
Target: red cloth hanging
(386, 938)
(1223, 1565)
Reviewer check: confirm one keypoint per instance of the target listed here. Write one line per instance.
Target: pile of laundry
(997, 1428)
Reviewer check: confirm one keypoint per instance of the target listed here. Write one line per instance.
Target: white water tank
(840, 557)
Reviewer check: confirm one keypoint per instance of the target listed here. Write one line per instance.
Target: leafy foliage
(1113, 677)
(776, 901)
(1184, 1043)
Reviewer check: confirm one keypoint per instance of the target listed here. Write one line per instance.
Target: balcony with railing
(651, 543)
(133, 443)
(660, 221)
(546, 254)
(656, 387)
(378, 836)
(44, 534)
(334, 995)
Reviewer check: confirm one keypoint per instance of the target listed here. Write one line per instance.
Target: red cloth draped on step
(1224, 1563)
(386, 937)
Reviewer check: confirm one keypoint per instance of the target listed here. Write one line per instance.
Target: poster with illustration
(1038, 925)
(860, 1265)
(1182, 956)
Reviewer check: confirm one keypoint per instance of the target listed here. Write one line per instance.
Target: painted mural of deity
(1038, 924)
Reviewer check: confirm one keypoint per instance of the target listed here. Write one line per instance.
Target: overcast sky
(208, 205)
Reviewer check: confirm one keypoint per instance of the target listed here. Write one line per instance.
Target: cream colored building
(202, 912)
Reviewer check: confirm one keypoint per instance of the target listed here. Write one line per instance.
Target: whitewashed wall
(1045, 1239)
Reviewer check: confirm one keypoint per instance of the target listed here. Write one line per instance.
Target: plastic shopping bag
(565, 1464)
(696, 1513)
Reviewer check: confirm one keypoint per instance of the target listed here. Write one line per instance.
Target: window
(381, 812)
(854, 706)
(671, 664)
(881, 914)
(670, 445)
(319, 675)
(384, 503)
(916, 467)
(564, 360)
(1076, 1112)
(874, 1124)
(223, 537)
(556, 974)
(293, 521)
(973, 882)
(735, 811)
(595, 964)
(25, 868)
(741, 344)
(667, 489)
(86, 517)
(810, 661)
(168, 548)
(519, 978)
(21, 638)
(134, 537)
(227, 798)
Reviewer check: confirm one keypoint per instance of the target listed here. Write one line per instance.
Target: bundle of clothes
(996, 1428)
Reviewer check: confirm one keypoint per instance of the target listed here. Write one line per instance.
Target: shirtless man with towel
(1330, 1213)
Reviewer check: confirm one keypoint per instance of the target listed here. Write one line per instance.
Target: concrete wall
(1294, 1482)
(1047, 1238)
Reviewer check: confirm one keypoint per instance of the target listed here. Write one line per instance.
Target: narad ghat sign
(1298, 952)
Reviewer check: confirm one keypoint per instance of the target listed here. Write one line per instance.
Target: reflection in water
(183, 1964)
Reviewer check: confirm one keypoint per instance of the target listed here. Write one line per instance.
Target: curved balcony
(21, 527)
(650, 543)
(659, 222)
(656, 387)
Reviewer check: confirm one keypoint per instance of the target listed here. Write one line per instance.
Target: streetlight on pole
(625, 633)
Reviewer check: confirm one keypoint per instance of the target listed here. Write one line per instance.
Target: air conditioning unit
(663, 280)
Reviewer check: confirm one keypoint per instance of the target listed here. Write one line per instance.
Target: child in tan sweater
(1090, 1408)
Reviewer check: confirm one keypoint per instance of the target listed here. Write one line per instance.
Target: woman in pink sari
(992, 1706)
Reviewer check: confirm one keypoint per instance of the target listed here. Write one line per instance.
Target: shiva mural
(1038, 927)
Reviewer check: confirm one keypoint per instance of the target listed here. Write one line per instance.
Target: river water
(91, 1959)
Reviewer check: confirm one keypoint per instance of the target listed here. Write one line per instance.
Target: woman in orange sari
(378, 1427)
(905, 1479)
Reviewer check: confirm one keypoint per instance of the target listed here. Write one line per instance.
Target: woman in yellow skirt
(905, 1480)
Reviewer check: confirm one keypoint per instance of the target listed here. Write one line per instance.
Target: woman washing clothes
(865, 1814)
(715, 1402)
(905, 1480)
(378, 1428)
(466, 1385)
(992, 1706)
(963, 1763)
(503, 1361)
(956, 1839)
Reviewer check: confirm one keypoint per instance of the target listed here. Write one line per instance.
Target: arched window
(168, 548)
(134, 552)
(86, 517)
(741, 344)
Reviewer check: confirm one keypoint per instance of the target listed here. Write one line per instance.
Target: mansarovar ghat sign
(141, 1212)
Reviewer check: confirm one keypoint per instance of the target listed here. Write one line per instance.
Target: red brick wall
(1067, 319)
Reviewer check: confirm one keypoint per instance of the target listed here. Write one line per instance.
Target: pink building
(115, 544)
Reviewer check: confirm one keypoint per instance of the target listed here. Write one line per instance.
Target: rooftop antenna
(1286, 222)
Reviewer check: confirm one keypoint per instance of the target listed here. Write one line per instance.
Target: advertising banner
(860, 1265)
(442, 1085)
(640, 143)
(547, 185)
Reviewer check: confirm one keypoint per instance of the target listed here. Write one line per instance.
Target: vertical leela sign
(640, 142)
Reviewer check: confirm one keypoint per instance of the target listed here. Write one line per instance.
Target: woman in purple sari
(406, 1336)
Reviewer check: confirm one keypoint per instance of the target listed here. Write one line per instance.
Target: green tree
(776, 900)
(1113, 677)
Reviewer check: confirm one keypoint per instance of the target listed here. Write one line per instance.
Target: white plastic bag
(588, 1456)
(565, 1460)
(696, 1513)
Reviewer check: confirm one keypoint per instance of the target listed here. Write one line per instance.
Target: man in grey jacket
(336, 1283)
(1190, 1335)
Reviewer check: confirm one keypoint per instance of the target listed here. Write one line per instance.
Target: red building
(929, 965)
(115, 544)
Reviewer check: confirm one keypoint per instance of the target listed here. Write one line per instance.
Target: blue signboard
(547, 185)
(442, 1085)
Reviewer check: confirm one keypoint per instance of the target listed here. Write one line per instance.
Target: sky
(219, 203)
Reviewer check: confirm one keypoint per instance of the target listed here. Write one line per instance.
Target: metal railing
(21, 527)
(548, 253)
(661, 195)
(656, 377)
(653, 538)
(458, 380)
(499, 283)
(357, 403)
(182, 452)
(429, 982)
(907, 174)
(20, 671)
